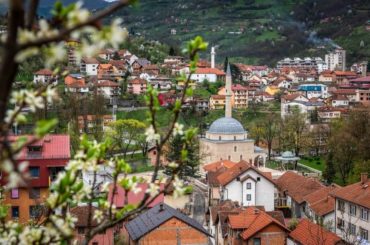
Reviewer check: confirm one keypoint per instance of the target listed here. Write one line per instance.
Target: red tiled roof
(358, 193)
(345, 73)
(218, 97)
(137, 81)
(54, 146)
(90, 61)
(219, 164)
(106, 83)
(361, 79)
(321, 202)
(297, 186)
(210, 71)
(237, 170)
(291, 97)
(308, 233)
(44, 72)
(120, 198)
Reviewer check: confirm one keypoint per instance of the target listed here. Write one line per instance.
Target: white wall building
(89, 66)
(336, 60)
(314, 90)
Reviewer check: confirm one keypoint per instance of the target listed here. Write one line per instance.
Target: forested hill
(252, 31)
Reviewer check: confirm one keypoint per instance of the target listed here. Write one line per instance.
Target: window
(340, 224)
(15, 212)
(81, 230)
(364, 234)
(352, 229)
(35, 211)
(235, 138)
(95, 243)
(258, 178)
(364, 214)
(14, 193)
(352, 210)
(34, 193)
(229, 158)
(341, 206)
(235, 148)
(256, 241)
(34, 172)
(249, 186)
(249, 197)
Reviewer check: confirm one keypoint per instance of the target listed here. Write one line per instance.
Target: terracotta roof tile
(210, 71)
(219, 164)
(358, 193)
(44, 72)
(308, 233)
(321, 201)
(297, 186)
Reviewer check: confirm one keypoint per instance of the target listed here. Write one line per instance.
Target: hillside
(251, 31)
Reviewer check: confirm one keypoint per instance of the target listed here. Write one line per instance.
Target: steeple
(228, 112)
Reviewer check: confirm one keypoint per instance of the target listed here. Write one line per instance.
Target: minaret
(213, 56)
(228, 112)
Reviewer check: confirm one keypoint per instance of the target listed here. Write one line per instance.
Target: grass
(314, 162)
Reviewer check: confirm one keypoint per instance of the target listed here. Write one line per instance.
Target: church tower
(228, 110)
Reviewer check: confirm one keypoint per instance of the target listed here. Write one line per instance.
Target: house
(162, 83)
(247, 185)
(121, 198)
(349, 93)
(314, 90)
(46, 157)
(338, 100)
(292, 190)
(292, 102)
(363, 96)
(217, 102)
(342, 78)
(352, 205)
(105, 71)
(75, 83)
(107, 88)
(255, 226)
(151, 69)
(106, 54)
(119, 66)
(89, 66)
(239, 96)
(138, 64)
(93, 123)
(326, 77)
(263, 97)
(213, 213)
(308, 233)
(320, 206)
(328, 113)
(164, 225)
(282, 82)
(137, 86)
(210, 74)
(81, 213)
(44, 76)
(360, 83)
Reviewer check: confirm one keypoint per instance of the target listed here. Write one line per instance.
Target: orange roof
(209, 71)
(345, 73)
(252, 220)
(321, 202)
(297, 186)
(291, 97)
(137, 81)
(358, 193)
(219, 164)
(44, 72)
(105, 66)
(238, 169)
(106, 83)
(308, 233)
(345, 91)
(218, 97)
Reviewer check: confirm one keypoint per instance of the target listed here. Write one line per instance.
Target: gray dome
(226, 125)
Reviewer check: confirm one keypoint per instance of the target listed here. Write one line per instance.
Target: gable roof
(209, 71)
(237, 170)
(297, 186)
(44, 72)
(156, 216)
(321, 201)
(308, 233)
(358, 193)
(219, 164)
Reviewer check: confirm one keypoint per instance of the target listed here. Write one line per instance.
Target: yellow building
(217, 102)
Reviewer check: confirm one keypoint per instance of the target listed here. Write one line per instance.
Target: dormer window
(34, 148)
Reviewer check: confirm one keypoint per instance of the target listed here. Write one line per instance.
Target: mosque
(226, 138)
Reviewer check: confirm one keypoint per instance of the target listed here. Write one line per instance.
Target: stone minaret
(213, 56)
(228, 112)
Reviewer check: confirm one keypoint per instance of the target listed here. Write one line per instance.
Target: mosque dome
(226, 125)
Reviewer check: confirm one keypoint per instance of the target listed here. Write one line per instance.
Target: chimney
(363, 178)
(213, 56)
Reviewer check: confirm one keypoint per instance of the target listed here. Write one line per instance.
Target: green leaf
(44, 127)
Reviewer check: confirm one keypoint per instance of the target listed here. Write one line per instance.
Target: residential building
(46, 157)
(164, 225)
(138, 64)
(360, 83)
(217, 102)
(308, 233)
(44, 76)
(308, 107)
(328, 113)
(137, 86)
(72, 45)
(314, 90)
(239, 97)
(338, 100)
(326, 77)
(107, 88)
(213, 213)
(255, 226)
(210, 74)
(349, 93)
(342, 78)
(89, 66)
(305, 63)
(363, 96)
(75, 83)
(352, 211)
(94, 123)
(248, 186)
(360, 68)
(336, 60)
(162, 83)
(292, 190)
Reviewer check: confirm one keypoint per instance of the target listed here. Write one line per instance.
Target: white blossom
(153, 189)
(178, 129)
(54, 54)
(135, 189)
(179, 188)
(98, 215)
(151, 135)
(173, 165)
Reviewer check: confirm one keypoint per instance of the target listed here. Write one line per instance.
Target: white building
(305, 63)
(336, 60)
(43, 76)
(108, 88)
(248, 186)
(89, 66)
(103, 175)
(314, 90)
(210, 74)
(352, 211)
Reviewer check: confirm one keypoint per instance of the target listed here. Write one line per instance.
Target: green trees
(270, 130)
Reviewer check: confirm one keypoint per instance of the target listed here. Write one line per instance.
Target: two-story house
(248, 186)
(352, 211)
(44, 76)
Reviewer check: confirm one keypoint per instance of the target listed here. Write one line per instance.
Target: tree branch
(32, 11)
